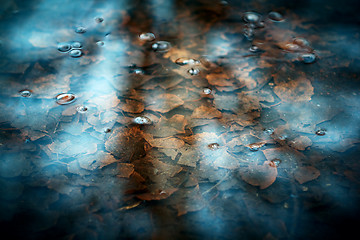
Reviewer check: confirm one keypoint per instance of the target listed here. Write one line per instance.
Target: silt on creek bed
(179, 119)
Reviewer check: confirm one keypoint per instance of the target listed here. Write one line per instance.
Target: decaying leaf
(297, 90)
(98, 160)
(164, 103)
(206, 112)
(132, 106)
(260, 175)
(306, 174)
(157, 195)
(126, 143)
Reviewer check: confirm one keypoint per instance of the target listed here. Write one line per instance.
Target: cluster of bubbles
(143, 120)
(73, 48)
(303, 48)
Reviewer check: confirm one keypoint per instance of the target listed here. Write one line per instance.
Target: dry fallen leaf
(306, 174)
(260, 175)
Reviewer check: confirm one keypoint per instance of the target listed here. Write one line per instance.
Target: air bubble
(81, 109)
(75, 53)
(207, 91)
(80, 30)
(100, 43)
(142, 120)
(186, 61)
(252, 17)
(147, 36)
(320, 132)
(161, 46)
(276, 162)
(25, 93)
(99, 19)
(213, 146)
(65, 98)
(308, 58)
(275, 17)
(254, 49)
(193, 71)
(76, 45)
(107, 130)
(64, 47)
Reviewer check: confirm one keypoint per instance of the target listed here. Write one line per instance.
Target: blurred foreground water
(169, 119)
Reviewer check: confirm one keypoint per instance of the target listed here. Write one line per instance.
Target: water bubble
(142, 120)
(207, 91)
(320, 132)
(308, 58)
(161, 46)
(76, 45)
(81, 109)
(99, 19)
(65, 98)
(193, 71)
(252, 17)
(147, 36)
(292, 47)
(100, 43)
(276, 162)
(137, 71)
(213, 146)
(64, 47)
(80, 30)
(301, 42)
(249, 33)
(269, 130)
(186, 61)
(75, 53)
(254, 49)
(25, 93)
(275, 17)
(107, 130)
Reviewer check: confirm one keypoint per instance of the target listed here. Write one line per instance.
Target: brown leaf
(297, 90)
(98, 160)
(301, 142)
(132, 106)
(164, 103)
(169, 142)
(260, 175)
(157, 195)
(206, 112)
(191, 201)
(125, 170)
(306, 174)
(168, 127)
(126, 143)
(220, 79)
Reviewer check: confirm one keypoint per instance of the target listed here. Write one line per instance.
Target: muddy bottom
(169, 119)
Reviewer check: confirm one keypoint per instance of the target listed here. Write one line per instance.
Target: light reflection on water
(70, 173)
